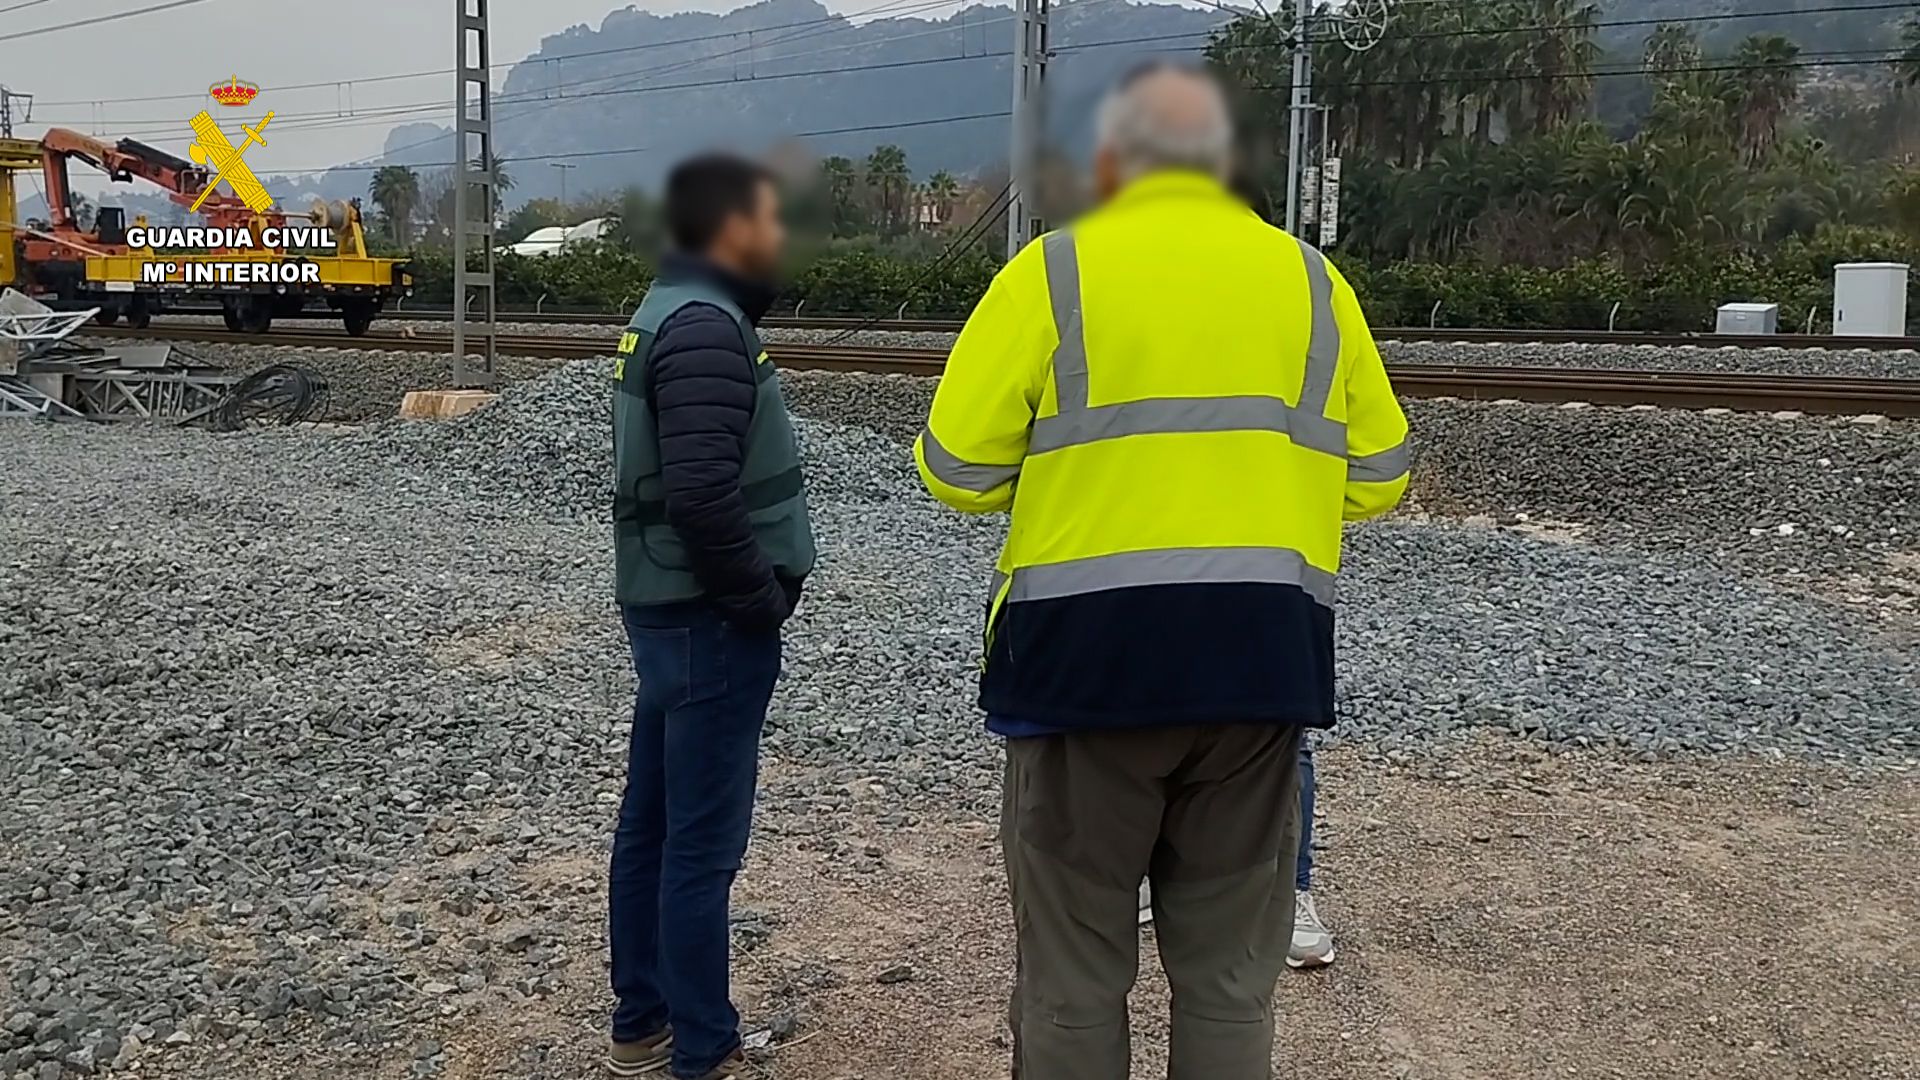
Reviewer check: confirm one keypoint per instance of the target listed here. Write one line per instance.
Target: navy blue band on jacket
(1161, 655)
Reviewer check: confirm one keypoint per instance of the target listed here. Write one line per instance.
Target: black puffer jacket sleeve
(703, 391)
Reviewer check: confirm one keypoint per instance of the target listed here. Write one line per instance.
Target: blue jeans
(691, 769)
(1303, 863)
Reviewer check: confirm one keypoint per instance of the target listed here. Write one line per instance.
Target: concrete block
(443, 404)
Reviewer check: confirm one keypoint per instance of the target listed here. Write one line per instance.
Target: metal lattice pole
(1029, 122)
(473, 198)
(7, 98)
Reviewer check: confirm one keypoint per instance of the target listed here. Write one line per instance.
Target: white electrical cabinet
(1749, 319)
(1870, 299)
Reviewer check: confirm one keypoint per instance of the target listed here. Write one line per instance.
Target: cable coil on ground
(275, 396)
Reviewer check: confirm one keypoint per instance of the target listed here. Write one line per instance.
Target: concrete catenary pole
(1028, 122)
(1297, 114)
(473, 197)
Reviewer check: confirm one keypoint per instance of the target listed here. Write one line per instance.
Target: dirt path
(1513, 916)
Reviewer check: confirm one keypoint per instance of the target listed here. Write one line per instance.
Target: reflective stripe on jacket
(1179, 404)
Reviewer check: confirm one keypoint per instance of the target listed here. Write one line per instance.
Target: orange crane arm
(122, 161)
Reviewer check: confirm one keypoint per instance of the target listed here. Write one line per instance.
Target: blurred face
(752, 242)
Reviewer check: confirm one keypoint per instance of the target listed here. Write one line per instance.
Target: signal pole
(473, 195)
(1028, 124)
(563, 166)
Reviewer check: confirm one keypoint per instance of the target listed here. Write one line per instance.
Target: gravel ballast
(252, 680)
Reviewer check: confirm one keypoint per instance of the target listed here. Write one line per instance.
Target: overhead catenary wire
(386, 111)
(956, 248)
(98, 19)
(1609, 24)
(385, 114)
(1449, 78)
(913, 7)
(837, 22)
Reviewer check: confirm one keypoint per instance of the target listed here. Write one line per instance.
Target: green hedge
(1679, 293)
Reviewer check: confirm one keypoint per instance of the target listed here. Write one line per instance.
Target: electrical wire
(1605, 24)
(276, 396)
(387, 111)
(98, 19)
(968, 239)
(913, 6)
(1452, 78)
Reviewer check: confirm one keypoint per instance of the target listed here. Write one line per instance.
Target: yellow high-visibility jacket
(1180, 404)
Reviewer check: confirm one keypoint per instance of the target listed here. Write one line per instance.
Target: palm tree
(1768, 82)
(887, 175)
(1907, 68)
(1903, 201)
(942, 188)
(1563, 59)
(1696, 107)
(502, 183)
(395, 189)
(1671, 49)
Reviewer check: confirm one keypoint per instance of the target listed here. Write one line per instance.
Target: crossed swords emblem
(212, 148)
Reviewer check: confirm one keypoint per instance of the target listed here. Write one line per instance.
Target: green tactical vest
(649, 560)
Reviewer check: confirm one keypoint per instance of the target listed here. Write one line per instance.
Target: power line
(1448, 78)
(19, 7)
(384, 111)
(98, 19)
(820, 133)
(968, 239)
(1501, 31)
(644, 73)
(913, 7)
(323, 121)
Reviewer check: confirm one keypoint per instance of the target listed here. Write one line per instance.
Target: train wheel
(230, 316)
(138, 314)
(255, 317)
(107, 316)
(358, 315)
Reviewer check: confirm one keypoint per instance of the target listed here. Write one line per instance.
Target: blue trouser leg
(633, 881)
(711, 684)
(1303, 863)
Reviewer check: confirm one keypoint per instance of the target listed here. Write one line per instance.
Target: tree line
(1491, 168)
(1471, 131)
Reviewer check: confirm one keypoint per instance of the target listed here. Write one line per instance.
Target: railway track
(1390, 333)
(1678, 389)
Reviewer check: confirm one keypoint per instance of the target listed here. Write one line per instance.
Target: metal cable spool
(335, 215)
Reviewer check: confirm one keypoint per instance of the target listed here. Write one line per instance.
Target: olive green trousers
(1211, 815)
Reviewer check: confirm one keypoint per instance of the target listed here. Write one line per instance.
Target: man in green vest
(712, 542)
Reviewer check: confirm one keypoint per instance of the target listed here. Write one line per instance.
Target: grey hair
(1147, 129)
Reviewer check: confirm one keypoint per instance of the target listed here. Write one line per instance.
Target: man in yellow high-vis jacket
(1180, 405)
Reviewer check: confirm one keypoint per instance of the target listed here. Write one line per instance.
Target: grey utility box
(1749, 319)
(1870, 299)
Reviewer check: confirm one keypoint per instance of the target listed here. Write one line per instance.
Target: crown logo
(233, 92)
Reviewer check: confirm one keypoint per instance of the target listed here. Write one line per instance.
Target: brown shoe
(650, 1054)
(735, 1064)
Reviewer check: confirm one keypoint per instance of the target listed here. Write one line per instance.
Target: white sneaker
(1312, 941)
(1146, 903)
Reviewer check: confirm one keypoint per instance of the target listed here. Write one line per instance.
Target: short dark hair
(702, 192)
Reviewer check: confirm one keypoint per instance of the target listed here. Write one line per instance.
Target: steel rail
(1499, 336)
(1682, 389)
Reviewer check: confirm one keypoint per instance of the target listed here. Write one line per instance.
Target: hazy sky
(144, 76)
